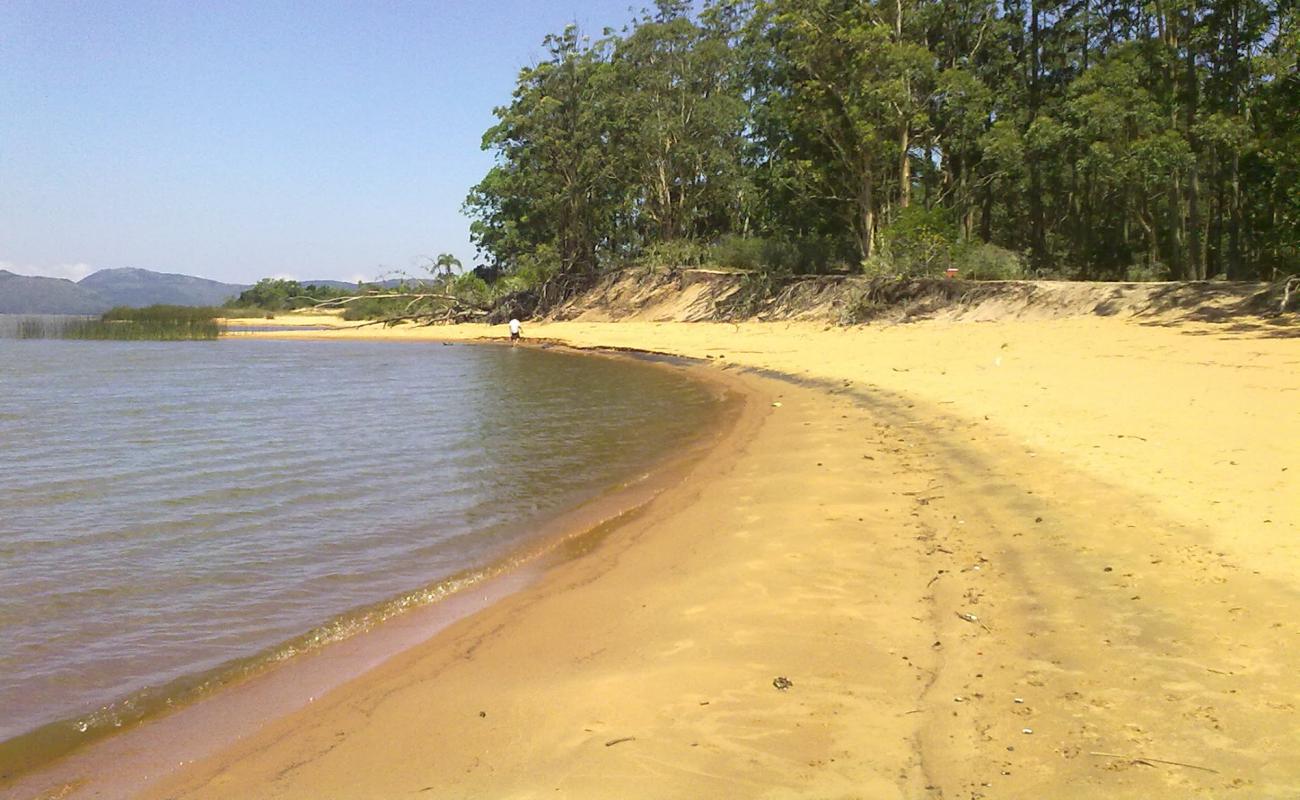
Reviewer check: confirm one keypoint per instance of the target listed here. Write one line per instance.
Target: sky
(243, 140)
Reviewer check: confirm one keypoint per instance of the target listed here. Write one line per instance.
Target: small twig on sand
(1153, 761)
(1129, 436)
(613, 742)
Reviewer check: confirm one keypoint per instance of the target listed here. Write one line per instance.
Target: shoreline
(993, 559)
(111, 765)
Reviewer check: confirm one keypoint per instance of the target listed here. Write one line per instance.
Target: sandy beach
(1049, 558)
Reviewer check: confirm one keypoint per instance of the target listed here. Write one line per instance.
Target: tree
(447, 264)
(1102, 138)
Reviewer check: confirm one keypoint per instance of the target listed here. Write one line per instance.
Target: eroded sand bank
(982, 554)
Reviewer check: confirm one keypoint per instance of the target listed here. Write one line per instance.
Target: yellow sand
(1005, 559)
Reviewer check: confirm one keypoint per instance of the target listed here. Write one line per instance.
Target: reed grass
(154, 323)
(35, 328)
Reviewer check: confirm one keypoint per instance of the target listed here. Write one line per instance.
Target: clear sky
(241, 140)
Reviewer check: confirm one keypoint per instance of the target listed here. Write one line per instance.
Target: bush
(675, 253)
(374, 308)
(776, 256)
(920, 241)
(1147, 272)
(981, 261)
(879, 265)
(738, 252)
(277, 294)
(534, 269)
(470, 288)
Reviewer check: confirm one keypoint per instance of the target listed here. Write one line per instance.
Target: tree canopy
(1092, 139)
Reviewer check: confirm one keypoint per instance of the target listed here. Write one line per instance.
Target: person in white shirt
(514, 331)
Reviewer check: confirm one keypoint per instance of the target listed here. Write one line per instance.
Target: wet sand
(1000, 559)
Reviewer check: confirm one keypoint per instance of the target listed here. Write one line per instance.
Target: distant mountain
(107, 288)
(141, 287)
(22, 294)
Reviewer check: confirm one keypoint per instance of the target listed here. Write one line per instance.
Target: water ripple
(170, 509)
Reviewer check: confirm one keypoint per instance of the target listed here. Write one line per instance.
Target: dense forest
(1089, 139)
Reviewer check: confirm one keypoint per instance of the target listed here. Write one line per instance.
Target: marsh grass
(36, 328)
(154, 323)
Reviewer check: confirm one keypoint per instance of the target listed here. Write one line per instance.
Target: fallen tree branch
(448, 309)
(339, 302)
(1289, 285)
(1151, 761)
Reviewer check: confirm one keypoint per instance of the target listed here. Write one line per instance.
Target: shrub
(675, 253)
(880, 265)
(919, 241)
(534, 269)
(1147, 272)
(374, 308)
(804, 256)
(738, 252)
(982, 261)
(470, 288)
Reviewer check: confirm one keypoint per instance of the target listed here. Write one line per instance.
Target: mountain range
(108, 288)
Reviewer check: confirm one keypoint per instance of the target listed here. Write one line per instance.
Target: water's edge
(64, 752)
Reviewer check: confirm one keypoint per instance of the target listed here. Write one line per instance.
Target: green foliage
(271, 293)
(473, 290)
(156, 323)
(811, 255)
(920, 241)
(1147, 272)
(278, 294)
(536, 268)
(797, 135)
(981, 261)
(163, 313)
(742, 252)
(672, 253)
(377, 307)
(445, 265)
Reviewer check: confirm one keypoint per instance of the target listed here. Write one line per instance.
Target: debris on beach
(782, 683)
(1151, 762)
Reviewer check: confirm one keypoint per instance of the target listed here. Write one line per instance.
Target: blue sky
(240, 140)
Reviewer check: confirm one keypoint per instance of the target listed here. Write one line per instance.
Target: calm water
(170, 513)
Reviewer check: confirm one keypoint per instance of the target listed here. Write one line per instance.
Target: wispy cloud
(73, 272)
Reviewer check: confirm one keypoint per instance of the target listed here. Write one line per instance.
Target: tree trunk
(866, 217)
(1037, 235)
(1195, 246)
(904, 168)
(1235, 271)
(986, 215)
(1177, 263)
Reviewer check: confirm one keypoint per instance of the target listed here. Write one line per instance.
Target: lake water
(175, 514)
